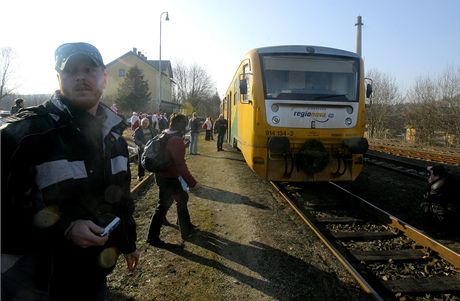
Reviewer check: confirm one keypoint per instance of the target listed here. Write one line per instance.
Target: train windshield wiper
(329, 96)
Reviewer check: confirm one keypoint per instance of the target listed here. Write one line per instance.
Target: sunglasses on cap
(66, 51)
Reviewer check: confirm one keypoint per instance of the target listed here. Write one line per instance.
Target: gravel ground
(250, 245)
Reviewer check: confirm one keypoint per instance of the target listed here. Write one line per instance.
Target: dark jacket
(59, 165)
(444, 194)
(220, 126)
(162, 123)
(194, 125)
(15, 109)
(140, 138)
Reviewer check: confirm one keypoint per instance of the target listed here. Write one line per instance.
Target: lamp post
(159, 62)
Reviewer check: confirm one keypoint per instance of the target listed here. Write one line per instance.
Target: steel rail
(361, 281)
(439, 157)
(420, 238)
(371, 159)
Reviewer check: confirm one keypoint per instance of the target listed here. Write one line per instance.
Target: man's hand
(85, 233)
(132, 259)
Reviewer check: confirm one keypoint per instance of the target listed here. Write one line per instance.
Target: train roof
(304, 49)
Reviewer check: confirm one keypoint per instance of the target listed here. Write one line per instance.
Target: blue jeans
(220, 140)
(193, 143)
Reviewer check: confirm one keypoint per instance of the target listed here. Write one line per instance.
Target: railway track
(412, 168)
(388, 257)
(452, 158)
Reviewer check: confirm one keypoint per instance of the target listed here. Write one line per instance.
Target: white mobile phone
(113, 224)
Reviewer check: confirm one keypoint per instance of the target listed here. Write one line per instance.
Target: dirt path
(249, 247)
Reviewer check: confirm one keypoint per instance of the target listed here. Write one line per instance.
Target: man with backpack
(170, 182)
(194, 125)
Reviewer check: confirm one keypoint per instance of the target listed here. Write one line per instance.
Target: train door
(228, 100)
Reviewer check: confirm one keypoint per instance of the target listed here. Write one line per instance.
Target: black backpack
(154, 158)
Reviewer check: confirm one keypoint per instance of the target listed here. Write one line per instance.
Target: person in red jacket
(173, 184)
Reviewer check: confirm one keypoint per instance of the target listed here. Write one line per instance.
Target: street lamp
(159, 63)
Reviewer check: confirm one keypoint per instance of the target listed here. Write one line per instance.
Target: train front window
(311, 78)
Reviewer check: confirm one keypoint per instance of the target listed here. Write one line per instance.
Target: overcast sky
(404, 39)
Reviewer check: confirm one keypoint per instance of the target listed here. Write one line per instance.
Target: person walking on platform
(194, 125)
(65, 176)
(141, 136)
(440, 206)
(220, 127)
(173, 184)
(212, 128)
(207, 125)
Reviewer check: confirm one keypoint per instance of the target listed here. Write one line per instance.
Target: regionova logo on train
(310, 114)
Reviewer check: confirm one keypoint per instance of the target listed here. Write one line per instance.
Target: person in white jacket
(208, 126)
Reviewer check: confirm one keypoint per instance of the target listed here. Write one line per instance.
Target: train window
(311, 78)
(245, 77)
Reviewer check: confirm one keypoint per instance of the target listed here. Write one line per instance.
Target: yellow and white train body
(297, 113)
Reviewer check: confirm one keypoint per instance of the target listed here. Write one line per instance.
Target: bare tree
(435, 108)
(421, 114)
(449, 94)
(385, 97)
(194, 86)
(7, 57)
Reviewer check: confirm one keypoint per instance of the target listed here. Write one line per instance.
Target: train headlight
(349, 110)
(348, 121)
(276, 119)
(275, 108)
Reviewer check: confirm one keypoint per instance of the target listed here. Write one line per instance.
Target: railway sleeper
(338, 220)
(363, 235)
(386, 255)
(447, 284)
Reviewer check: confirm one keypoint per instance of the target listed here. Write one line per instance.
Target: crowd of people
(66, 178)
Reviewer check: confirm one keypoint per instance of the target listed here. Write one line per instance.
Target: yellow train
(297, 113)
